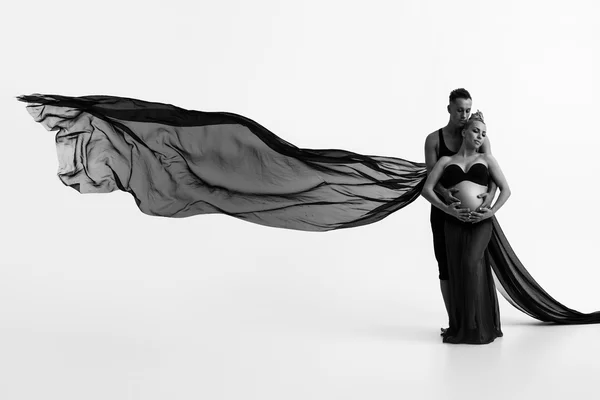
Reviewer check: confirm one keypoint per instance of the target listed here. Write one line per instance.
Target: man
(445, 142)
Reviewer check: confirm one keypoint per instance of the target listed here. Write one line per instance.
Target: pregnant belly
(468, 192)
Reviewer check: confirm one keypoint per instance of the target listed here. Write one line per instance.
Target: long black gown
(473, 305)
(179, 163)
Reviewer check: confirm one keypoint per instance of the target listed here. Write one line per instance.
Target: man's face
(459, 110)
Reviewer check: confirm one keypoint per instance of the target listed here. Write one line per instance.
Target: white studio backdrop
(372, 78)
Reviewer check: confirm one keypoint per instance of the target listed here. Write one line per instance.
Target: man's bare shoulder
(432, 139)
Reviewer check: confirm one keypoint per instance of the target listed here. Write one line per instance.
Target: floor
(241, 337)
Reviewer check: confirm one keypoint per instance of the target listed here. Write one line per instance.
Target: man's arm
(430, 152)
(431, 159)
(427, 192)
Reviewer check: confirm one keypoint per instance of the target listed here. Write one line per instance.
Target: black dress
(473, 304)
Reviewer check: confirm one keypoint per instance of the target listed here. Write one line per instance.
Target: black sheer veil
(179, 163)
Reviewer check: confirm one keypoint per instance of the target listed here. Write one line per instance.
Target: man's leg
(438, 218)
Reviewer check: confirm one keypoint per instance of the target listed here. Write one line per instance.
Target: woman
(474, 312)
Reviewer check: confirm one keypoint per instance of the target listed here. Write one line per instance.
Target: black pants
(438, 220)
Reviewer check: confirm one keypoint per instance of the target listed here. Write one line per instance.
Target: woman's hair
(476, 116)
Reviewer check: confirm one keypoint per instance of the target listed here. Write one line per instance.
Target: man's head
(459, 107)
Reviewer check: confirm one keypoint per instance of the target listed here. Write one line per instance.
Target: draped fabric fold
(179, 163)
(522, 291)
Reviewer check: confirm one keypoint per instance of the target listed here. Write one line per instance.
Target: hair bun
(477, 116)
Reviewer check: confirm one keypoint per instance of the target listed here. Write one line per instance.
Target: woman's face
(474, 134)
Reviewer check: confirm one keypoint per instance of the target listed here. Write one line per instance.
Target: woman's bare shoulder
(489, 159)
(444, 160)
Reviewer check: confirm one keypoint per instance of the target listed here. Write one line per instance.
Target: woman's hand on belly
(480, 215)
(457, 211)
(468, 194)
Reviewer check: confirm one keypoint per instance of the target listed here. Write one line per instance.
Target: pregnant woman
(473, 304)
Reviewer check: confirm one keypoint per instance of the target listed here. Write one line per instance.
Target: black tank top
(443, 150)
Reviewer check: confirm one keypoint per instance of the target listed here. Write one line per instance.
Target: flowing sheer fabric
(522, 291)
(179, 163)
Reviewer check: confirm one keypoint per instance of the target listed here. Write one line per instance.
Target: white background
(98, 301)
